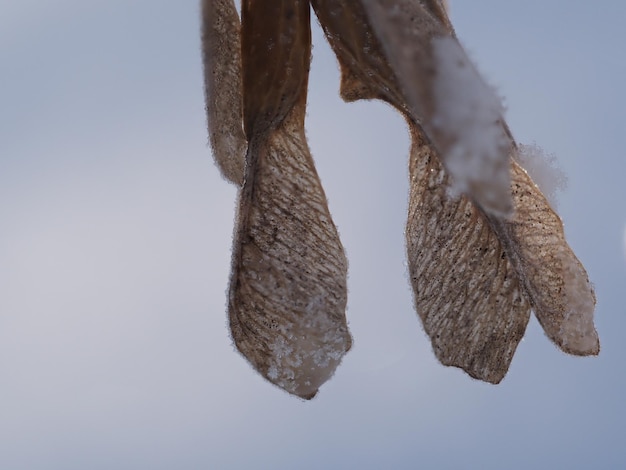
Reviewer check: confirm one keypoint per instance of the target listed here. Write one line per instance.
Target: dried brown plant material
(405, 52)
(276, 54)
(288, 287)
(221, 54)
(554, 279)
(483, 243)
(467, 293)
(475, 273)
(476, 277)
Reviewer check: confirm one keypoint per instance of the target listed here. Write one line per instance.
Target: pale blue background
(115, 236)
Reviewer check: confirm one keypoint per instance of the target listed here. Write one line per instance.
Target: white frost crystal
(467, 120)
(543, 169)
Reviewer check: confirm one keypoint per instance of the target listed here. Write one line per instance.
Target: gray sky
(115, 255)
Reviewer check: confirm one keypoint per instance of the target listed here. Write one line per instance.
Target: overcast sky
(115, 239)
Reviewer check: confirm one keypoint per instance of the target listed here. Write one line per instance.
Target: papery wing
(398, 51)
(467, 293)
(221, 53)
(562, 297)
(288, 288)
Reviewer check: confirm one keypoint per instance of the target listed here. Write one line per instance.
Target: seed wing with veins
(288, 290)
(288, 287)
(473, 306)
(475, 277)
(476, 273)
(467, 293)
(554, 279)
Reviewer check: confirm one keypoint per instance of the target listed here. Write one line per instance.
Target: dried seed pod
(288, 286)
(475, 277)
(475, 273)
(554, 279)
(467, 292)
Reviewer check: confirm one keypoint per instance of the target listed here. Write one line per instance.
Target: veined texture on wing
(288, 291)
(466, 290)
(484, 245)
(556, 282)
(476, 276)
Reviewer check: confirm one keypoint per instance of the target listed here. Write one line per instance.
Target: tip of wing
(577, 334)
(587, 344)
(565, 309)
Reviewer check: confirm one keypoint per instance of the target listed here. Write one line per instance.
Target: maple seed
(484, 245)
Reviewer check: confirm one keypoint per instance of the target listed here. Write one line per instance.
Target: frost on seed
(543, 169)
(468, 127)
(300, 363)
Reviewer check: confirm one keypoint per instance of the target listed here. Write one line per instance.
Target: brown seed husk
(467, 292)
(288, 288)
(475, 274)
